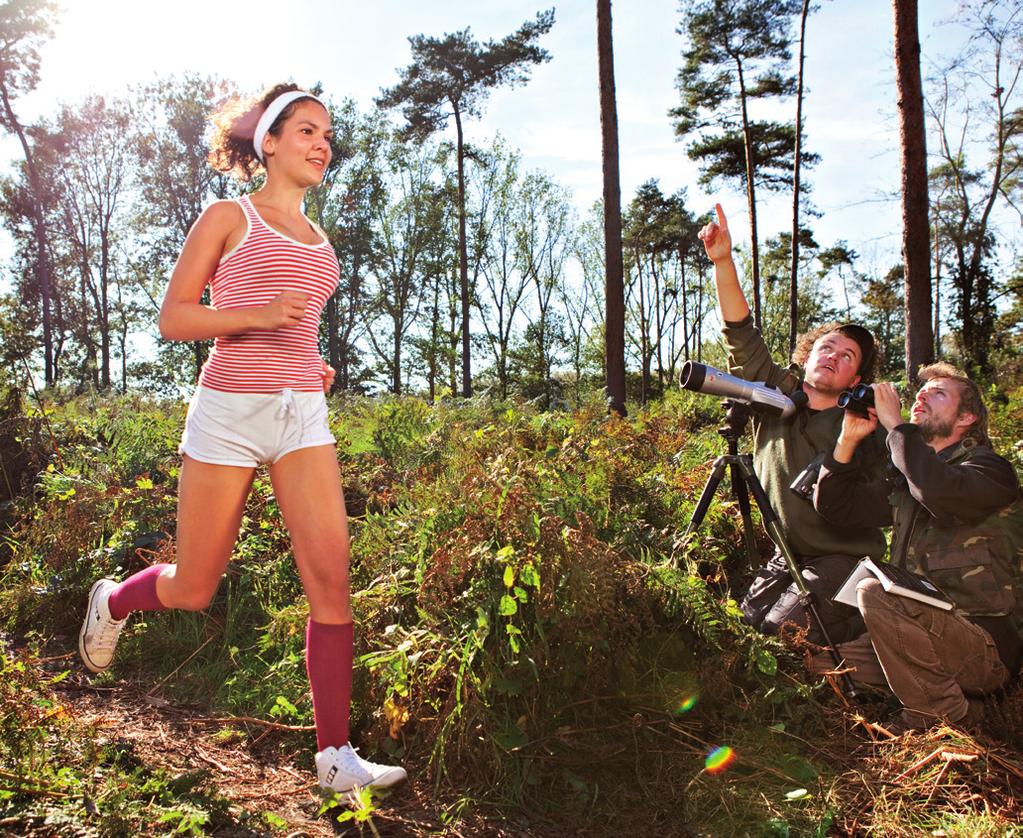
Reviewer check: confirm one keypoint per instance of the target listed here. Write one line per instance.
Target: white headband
(273, 110)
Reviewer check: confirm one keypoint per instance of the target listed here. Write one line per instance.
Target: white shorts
(252, 429)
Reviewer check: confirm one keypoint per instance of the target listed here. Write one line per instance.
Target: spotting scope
(703, 379)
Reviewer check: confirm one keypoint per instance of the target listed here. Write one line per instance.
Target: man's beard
(932, 429)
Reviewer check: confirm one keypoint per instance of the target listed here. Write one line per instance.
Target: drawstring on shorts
(289, 413)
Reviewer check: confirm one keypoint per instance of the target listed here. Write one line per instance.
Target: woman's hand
(329, 374)
(286, 309)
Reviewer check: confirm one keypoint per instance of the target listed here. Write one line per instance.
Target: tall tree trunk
(686, 331)
(699, 317)
(333, 356)
(614, 285)
(751, 197)
(435, 350)
(453, 346)
(937, 293)
(916, 249)
(659, 325)
(42, 254)
(463, 260)
(104, 312)
(794, 274)
(396, 370)
(644, 357)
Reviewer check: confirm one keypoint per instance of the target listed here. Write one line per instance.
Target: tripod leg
(703, 504)
(742, 498)
(771, 523)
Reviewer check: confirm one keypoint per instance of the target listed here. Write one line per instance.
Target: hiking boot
(342, 770)
(976, 709)
(98, 638)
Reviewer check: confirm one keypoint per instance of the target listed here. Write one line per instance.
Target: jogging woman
(260, 400)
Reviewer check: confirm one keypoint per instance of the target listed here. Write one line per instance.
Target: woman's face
(301, 151)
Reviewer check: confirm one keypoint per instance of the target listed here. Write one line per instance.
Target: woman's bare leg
(211, 501)
(307, 484)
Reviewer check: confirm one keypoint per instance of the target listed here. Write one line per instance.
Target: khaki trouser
(929, 658)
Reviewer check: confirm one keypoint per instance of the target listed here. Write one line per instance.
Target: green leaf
(766, 662)
(275, 820)
(798, 768)
(520, 594)
(282, 706)
(529, 576)
(508, 606)
(509, 576)
(511, 737)
(507, 686)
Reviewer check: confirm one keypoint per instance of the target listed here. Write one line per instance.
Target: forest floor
(944, 782)
(252, 766)
(548, 658)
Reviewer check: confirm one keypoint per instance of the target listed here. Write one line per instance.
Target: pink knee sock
(137, 593)
(328, 660)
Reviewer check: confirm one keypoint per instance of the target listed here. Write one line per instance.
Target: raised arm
(184, 317)
(717, 242)
(748, 355)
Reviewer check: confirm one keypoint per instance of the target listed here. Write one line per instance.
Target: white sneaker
(100, 632)
(342, 770)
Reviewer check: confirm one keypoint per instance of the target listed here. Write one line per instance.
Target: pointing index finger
(722, 221)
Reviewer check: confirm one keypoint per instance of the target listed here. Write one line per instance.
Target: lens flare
(687, 703)
(719, 760)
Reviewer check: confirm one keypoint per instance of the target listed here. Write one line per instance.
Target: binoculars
(857, 399)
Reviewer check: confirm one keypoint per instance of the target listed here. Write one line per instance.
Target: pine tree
(451, 76)
(738, 53)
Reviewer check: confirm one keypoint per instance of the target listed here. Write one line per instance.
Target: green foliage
(402, 428)
(520, 588)
(62, 777)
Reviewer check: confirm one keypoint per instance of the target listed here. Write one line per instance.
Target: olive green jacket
(782, 448)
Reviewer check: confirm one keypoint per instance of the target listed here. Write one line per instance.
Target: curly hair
(970, 400)
(869, 354)
(234, 125)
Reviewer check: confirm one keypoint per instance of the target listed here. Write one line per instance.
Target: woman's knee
(187, 597)
(325, 566)
(329, 583)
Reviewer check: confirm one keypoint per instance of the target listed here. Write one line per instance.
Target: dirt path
(256, 767)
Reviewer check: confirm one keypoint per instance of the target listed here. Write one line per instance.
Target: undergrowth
(534, 636)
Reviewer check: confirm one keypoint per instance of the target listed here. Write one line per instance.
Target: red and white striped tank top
(262, 265)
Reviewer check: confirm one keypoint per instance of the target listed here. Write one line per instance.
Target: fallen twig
(36, 792)
(177, 669)
(253, 721)
(920, 763)
(208, 759)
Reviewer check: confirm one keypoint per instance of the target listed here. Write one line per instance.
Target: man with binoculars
(827, 362)
(947, 497)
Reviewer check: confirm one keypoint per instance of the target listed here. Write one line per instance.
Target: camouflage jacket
(949, 522)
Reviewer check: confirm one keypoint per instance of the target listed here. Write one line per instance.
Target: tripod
(743, 477)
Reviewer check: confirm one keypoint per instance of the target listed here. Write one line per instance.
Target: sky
(355, 49)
